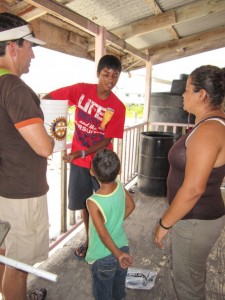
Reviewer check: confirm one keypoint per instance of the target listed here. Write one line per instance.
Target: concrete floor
(75, 277)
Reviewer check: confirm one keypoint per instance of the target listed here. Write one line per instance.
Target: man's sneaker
(37, 294)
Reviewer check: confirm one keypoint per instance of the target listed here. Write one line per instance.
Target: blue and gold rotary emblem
(58, 128)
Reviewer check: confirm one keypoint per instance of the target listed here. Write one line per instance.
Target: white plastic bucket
(55, 121)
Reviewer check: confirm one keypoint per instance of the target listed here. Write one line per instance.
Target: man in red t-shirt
(99, 117)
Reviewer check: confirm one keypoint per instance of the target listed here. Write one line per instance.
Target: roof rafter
(179, 15)
(83, 23)
(146, 25)
(200, 41)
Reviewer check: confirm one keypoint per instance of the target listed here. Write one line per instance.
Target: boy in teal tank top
(108, 245)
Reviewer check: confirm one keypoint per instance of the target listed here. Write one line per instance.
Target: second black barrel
(153, 164)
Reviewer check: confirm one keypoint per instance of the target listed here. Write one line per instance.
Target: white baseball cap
(22, 32)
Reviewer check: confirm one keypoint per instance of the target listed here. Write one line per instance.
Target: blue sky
(50, 70)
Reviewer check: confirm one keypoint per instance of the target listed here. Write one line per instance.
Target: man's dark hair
(106, 165)
(10, 21)
(109, 62)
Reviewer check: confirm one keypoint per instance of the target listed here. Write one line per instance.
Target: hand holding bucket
(55, 121)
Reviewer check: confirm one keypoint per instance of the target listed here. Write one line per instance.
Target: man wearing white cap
(24, 148)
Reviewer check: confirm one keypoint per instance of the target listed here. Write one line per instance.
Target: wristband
(164, 227)
(83, 154)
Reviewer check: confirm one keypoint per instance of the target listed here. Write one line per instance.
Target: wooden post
(148, 91)
(63, 193)
(100, 45)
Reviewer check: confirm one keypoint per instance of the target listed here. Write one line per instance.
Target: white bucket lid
(52, 103)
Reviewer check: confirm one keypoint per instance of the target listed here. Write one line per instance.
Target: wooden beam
(20, 8)
(148, 85)
(59, 39)
(191, 41)
(146, 25)
(78, 40)
(66, 14)
(154, 6)
(159, 58)
(82, 23)
(61, 24)
(100, 46)
(172, 32)
(184, 13)
(157, 10)
(198, 9)
(33, 14)
(114, 40)
(198, 43)
(189, 50)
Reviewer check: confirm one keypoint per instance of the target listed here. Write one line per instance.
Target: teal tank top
(112, 207)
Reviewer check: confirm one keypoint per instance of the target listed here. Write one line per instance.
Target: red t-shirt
(91, 122)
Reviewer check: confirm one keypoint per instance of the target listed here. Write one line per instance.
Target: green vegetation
(132, 109)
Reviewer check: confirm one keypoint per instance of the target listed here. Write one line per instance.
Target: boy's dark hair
(109, 62)
(10, 21)
(106, 165)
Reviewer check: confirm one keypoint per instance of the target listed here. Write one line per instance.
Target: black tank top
(211, 205)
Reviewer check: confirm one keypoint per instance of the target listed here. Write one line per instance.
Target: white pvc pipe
(27, 268)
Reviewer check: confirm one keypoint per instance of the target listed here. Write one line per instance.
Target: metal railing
(128, 152)
(128, 148)
(170, 127)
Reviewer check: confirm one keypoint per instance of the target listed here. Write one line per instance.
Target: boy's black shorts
(81, 186)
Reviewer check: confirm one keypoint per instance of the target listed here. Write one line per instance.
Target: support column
(63, 193)
(100, 44)
(148, 85)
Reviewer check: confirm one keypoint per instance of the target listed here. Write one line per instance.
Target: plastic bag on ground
(140, 279)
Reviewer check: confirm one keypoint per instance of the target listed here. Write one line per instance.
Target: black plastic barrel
(153, 164)
(168, 108)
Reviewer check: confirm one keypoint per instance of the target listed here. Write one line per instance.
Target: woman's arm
(130, 206)
(202, 152)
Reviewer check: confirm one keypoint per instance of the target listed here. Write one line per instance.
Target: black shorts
(81, 186)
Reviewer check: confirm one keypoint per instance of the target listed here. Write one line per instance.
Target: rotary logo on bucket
(55, 121)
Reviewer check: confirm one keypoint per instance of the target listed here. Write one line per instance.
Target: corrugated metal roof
(150, 39)
(171, 4)
(111, 14)
(201, 24)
